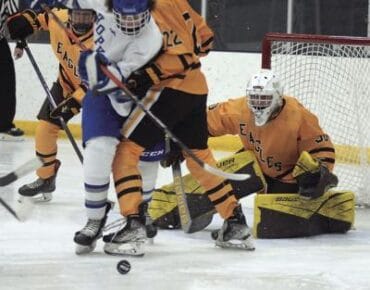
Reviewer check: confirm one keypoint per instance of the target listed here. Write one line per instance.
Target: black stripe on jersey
(186, 16)
(222, 199)
(183, 61)
(322, 149)
(156, 70)
(129, 190)
(86, 37)
(327, 160)
(207, 42)
(46, 19)
(284, 173)
(194, 36)
(46, 155)
(127, 178)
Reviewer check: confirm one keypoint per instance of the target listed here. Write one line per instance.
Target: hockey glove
(92, 75)
(139, 82)
(22, 24)
(313, 178)
(66, 109)
(171, 157)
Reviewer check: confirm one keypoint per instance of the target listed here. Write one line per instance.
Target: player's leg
(129, 185)
(46, 147)
(193, 131)
(101, 135)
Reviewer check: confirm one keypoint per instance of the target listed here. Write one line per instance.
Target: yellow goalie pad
(288, 215)
(163, 207)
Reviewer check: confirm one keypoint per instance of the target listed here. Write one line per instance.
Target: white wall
(227, 75)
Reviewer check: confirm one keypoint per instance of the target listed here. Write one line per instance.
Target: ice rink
(39, 253)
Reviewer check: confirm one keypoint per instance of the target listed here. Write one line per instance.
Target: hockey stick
(51, 99)
(23, 208)
(21, 171)
(154, 119)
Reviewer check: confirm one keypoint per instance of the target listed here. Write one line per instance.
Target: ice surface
(39, 253)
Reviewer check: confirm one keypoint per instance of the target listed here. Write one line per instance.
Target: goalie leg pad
(163, 207)
(288, 215)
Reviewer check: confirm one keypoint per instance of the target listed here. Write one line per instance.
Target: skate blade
(246, 244)
(39, 197)
(82, 249)
(125, 249)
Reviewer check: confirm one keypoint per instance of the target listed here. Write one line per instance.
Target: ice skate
(86, 238)
(150, 228)
(234, 233)
(41, 189)
(129, 240)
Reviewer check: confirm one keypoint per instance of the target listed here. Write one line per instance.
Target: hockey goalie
(290, 160)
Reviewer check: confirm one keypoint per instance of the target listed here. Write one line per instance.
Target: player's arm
(313, 170)
(315, 141)
(203, 33)
(22, 24)
(71, 105)
(223, 118)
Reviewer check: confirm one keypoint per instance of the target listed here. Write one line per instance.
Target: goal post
(330, 75)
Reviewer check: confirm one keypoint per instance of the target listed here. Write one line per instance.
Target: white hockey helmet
(264, 93)
(132, 15)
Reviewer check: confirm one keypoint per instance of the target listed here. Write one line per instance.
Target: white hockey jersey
(128, 52)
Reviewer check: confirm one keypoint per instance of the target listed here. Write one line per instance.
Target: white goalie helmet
(264, 93)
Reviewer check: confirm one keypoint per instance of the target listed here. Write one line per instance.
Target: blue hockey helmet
(131, 15)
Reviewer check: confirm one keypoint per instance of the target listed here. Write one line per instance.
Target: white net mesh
(333, 81)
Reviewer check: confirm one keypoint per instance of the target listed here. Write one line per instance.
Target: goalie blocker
(277, 215)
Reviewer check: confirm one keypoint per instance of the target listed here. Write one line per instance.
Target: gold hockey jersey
(66, 51)
(278, 144)
(186, 37)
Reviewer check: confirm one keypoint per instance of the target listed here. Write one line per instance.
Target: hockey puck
(123, 267)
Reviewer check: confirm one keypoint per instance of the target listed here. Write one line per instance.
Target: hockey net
(330, 75)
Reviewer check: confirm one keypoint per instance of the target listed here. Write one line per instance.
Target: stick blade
(21, 171)
(226, 175)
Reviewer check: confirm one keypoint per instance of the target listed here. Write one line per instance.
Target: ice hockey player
(173, 82)
(67, 90)
(295, 156)
(101, 132)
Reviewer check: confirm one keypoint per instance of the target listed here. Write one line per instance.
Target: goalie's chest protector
(275, 144)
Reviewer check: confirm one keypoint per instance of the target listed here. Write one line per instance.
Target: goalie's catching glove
(313, 177)
(66, 109)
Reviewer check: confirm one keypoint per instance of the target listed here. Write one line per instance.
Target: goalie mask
(81, 20)
(132, 16)
(264, 94)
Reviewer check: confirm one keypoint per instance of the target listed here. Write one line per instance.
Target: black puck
(123, 267)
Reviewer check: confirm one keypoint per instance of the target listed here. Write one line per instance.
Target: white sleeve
(140, 51)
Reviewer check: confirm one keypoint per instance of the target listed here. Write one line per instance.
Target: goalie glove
(22, 24)
(313, 178)
(92, 75)
(66, 109)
